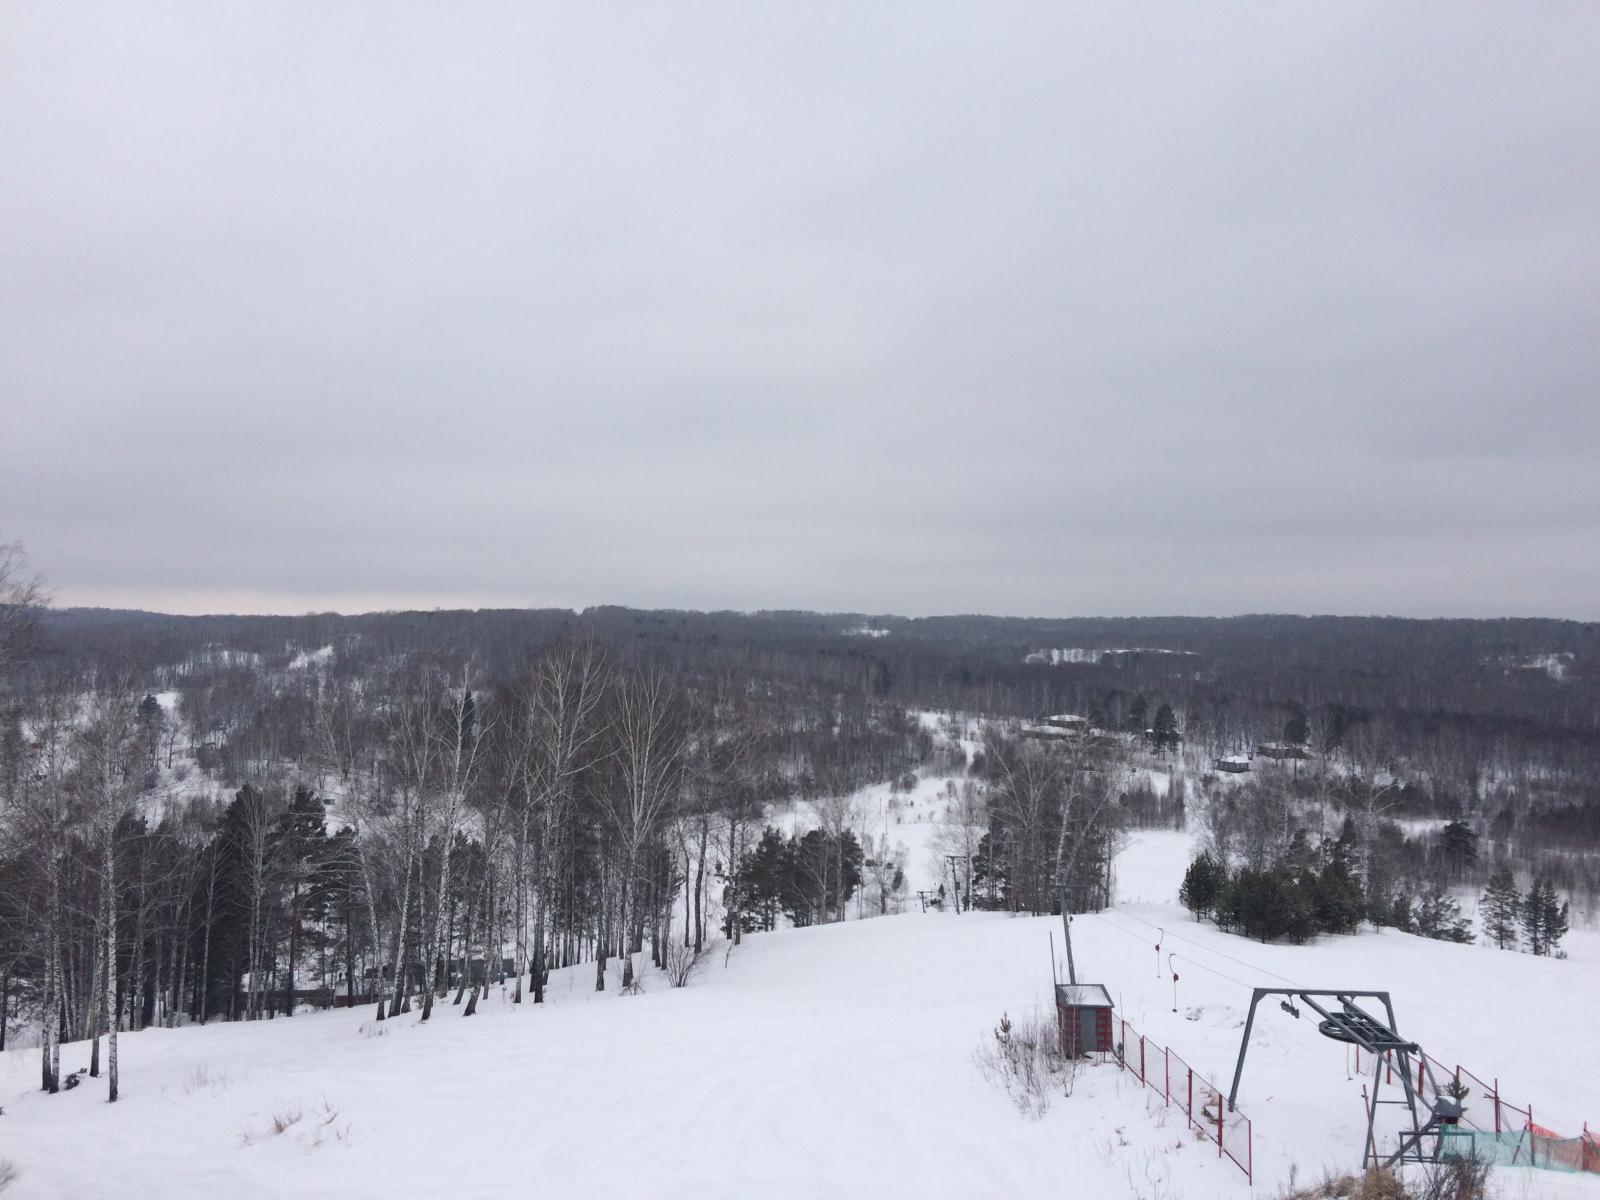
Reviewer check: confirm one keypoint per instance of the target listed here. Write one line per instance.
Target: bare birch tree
(648, 736)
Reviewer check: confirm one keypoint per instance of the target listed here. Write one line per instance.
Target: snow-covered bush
(1025, 1059)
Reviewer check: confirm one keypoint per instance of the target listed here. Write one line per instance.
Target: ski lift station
(1084, 1013)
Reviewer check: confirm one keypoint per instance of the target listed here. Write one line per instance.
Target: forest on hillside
(230, 817)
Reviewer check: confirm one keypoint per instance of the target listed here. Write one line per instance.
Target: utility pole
(955, 878)
(1066, 928)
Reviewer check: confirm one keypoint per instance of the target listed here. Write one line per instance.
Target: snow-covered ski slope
(833, 1061)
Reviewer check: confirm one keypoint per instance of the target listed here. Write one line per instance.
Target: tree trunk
(111, 967)
(49, 1060)
(294, 948)
(520, 952)
(94, 1007)
(700, 890)
(400, 941)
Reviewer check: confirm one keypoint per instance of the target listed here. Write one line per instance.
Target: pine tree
(1258, 904)
(1439, 916)
(1138, 713)
(1340, 905)
(1459, 846)
(1400, 914)
(1502, 909)
(1544, 918)
(1296, 730)
(1202, 885)
(1166, 733)
(1533, 925)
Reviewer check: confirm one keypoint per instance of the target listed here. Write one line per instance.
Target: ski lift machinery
(1346, 1021)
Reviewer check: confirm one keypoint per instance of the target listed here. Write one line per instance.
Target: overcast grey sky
(1049, 309)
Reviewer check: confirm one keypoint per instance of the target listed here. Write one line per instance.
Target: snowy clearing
(827, 1061)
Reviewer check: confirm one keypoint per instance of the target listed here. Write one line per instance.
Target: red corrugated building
(1084, 1013)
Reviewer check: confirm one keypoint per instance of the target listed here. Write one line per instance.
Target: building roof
(1046, 731)
(1083, 995)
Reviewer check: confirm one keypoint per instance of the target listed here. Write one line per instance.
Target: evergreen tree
(1258, 903)
(1532, 926)
(1502, 909)
(1203, 884)
(1439, 916)
(1138, 714)
(1300, 859)
(1340, 905)
(1301, 895)
(149, 718)
(1166, 735)
(1459, 846)
(1400, 915)
(1544, 918)
(1296, 730)
(762, 875)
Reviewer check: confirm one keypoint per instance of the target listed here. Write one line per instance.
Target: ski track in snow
(831, 1061)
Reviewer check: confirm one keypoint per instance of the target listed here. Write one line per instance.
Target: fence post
(1141, 1060)
(1497, 1105)
(1249, 1151)
(1422, 1060)
(1188, 1105)
(1166, 1077)
(1219, 1123)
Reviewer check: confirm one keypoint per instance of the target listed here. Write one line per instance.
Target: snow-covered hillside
(819, 1062)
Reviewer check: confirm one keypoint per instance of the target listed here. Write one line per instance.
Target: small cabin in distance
(1083, 1011)
(1283, 751)
(1071, 722)
(1061, 727)
(1233, 764)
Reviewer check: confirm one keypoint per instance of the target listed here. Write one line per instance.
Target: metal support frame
(1349, 1022)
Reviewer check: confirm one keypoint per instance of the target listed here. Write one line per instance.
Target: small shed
(1282, 751)
(1234, 764)
(1084, 1013)
(1069, 721)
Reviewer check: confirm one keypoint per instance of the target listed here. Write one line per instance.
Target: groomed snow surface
(834, 1061)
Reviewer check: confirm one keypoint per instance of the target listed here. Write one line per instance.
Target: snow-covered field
(819, 1062)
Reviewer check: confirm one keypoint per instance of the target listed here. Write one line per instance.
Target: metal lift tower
(1347, 1021)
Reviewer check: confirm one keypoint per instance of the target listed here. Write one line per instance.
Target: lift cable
(1209, 950)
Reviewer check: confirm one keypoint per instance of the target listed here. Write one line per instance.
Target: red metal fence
(1180, 1084)
(1509, 1127)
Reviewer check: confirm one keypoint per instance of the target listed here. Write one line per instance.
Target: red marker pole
(1174, 971)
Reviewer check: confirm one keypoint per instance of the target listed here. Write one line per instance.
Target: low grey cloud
(923, 308)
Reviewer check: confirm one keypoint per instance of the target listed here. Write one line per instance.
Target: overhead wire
(1141, 940)
(1209, 950)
